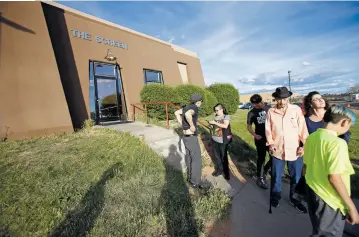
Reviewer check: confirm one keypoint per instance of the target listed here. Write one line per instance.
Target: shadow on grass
(176, 200)
(81, 220)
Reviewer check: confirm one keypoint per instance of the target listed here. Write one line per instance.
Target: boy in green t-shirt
(327, 169)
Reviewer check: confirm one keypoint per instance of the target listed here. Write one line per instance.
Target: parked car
(247, 106)
(240, 106)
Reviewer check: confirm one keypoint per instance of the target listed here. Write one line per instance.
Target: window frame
(145, 70)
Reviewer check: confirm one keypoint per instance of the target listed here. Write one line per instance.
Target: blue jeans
(295, 171)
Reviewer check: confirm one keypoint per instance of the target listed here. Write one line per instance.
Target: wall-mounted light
(110, 56)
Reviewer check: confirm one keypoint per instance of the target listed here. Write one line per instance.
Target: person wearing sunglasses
(221, 138)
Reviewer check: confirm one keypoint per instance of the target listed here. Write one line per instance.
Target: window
(183, 72)
(152, 76)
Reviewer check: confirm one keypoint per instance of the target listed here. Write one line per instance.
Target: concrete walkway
(250, 204)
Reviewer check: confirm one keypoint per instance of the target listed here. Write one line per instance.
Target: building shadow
(175, 199)
(81, 220)
(59, 35)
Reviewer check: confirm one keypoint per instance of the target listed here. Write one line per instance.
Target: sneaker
(274, 203)
(299, 206)
(261, 182)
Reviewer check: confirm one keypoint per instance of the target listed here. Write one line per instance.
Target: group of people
(312, 142)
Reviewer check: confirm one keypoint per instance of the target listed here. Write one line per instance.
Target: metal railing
(166, 104)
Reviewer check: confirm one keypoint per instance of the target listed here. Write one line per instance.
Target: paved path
(250, 217)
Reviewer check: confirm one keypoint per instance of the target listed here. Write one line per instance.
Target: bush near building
(179, 95)
(226, 94)
(159, 93)
(209, 100)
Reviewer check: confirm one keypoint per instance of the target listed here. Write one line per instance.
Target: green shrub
(184, 93)
(159, 93)
(227, 95)
(209, 101)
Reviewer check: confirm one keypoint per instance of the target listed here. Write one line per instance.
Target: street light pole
(289, 84)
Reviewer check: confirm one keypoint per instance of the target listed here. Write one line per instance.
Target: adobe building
(60, 67)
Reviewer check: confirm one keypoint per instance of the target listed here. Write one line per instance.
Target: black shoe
(299, 206)
(227, 177)
(261, 182)
(216, 173)
(274, 203)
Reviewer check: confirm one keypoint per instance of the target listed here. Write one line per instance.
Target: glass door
(107, 100)
(105, 92)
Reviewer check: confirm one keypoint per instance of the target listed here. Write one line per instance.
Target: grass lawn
(98, 182)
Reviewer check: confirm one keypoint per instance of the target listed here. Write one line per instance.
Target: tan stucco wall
(32, 100)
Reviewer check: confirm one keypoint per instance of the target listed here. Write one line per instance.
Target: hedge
(209, 100)
(163, 93)
(227, 95)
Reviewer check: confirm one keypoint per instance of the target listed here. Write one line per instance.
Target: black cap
(195, 98)
(255, 99)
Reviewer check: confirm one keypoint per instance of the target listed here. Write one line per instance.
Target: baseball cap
(195, 98)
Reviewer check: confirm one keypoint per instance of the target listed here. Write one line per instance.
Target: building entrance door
(107, 93)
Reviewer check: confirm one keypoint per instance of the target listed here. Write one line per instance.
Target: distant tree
(354, 89)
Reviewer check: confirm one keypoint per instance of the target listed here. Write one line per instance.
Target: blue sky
(253, 44)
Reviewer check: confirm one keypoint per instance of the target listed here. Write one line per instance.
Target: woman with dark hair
(315, 107)
(221, 138)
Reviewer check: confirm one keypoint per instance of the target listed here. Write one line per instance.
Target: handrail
(135, 105)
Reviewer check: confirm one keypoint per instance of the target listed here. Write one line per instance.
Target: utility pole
(290, 98)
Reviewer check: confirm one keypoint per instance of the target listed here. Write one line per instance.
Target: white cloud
(246, 55)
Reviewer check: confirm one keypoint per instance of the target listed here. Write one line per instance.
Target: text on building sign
(99, 39)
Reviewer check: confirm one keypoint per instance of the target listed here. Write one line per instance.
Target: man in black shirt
(188, 117)
(258, 116)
